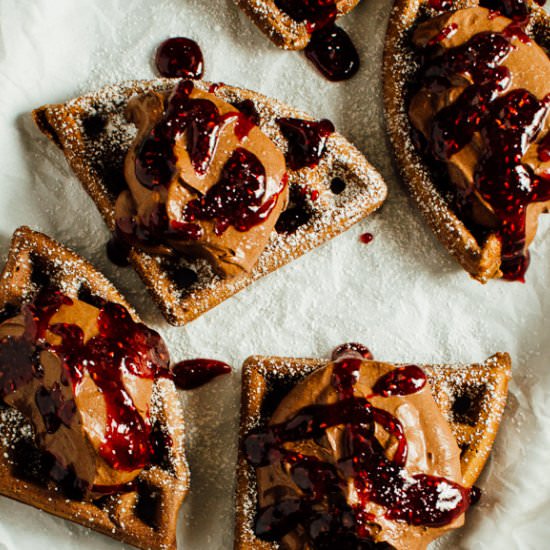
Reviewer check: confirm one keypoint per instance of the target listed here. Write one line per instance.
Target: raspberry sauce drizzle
(508, 123)
(179, 58)
(330, 48)
(323, 513)
(121, 346)
(242, 198)
(306, 141)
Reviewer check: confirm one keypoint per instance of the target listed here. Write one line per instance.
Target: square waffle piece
(145, 517)
(282, 30)
(93, 133)
(471, 397)
(481, 258)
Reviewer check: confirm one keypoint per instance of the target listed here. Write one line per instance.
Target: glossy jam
(316, 13)
(508, 122)
(366, 238)
(239, 198)
(179, 58)
(440, 5)
(330, 48)
(445, 33)
(194, 373)
(198, 119)
(323, 512)
(514, 9)
(307, 141)
(248, 109)
(122, 347)
(242, 198)
(333, 53)
(298, 212)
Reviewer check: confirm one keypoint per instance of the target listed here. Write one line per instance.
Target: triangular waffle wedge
(471, 397)
(479, 258)
(145, 517)
(94, 135)
(279, 26)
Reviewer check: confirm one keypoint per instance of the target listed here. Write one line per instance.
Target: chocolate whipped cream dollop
(357, 455)
(481, 107)
(83, 376)
(204, 180)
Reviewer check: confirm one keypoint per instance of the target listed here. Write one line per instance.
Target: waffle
(145, 517)
(471, 398)
(94, 135)
(279, 26)
(479, 258)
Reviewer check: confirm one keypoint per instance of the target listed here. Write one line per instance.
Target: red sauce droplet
(440, 5)
(194, 373)
(516, 29)
(332, 52)
(401, 381)
(179, 58)
(306, 141)
(445, 33)
(352, 347)
(248, 109)
(322, 512)
(330, 48)
(508, 123)
(215, 86)
(366, 238)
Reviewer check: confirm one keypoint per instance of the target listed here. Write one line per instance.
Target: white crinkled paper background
(402, 295)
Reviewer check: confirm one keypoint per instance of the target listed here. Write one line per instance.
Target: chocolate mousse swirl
(83, 376)
(204, 180)
(357, 455)
(480, 110)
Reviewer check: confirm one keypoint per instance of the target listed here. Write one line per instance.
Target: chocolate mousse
(481, 111)
(357, 455)
(83, 376)
(204, 180)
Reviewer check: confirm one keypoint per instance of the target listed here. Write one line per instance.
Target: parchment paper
(402, 295)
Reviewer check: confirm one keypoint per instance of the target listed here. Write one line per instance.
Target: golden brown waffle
(279, 26)
(94, 135)
(479, 258)
(145, 517)
(471, 398)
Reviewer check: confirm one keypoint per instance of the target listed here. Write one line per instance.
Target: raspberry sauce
(322, 512)
(366, 238)
(179, 58)
(333, 53)
(121, 346)
(307, 141)
(242, 198)
(193, 373)
(330, 48)
(508, 123)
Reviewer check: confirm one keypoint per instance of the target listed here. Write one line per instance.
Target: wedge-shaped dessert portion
(209, 187)
(90, 421)
(355, 453)
(467, 96)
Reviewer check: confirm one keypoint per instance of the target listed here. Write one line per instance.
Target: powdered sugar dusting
(402, 295)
